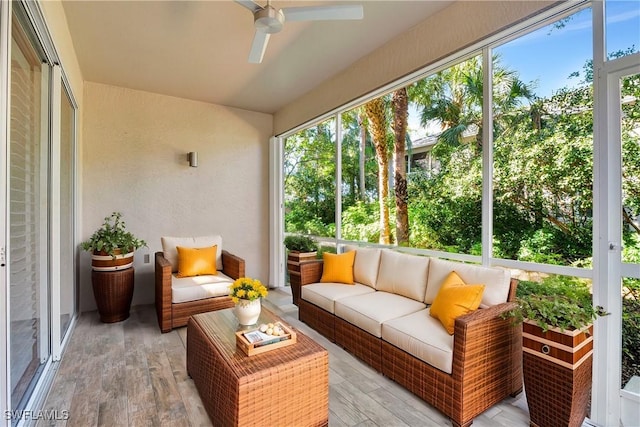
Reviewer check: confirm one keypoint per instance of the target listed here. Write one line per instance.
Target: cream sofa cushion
(324, 295)
(496, 280)
(369, 311)
(170, 252)
(423, 337)
(403, 274)
(365, 267)
(199, 287)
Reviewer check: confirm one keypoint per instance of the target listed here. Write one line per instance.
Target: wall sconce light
(192, 157)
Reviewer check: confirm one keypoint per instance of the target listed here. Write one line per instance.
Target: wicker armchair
(173, 315)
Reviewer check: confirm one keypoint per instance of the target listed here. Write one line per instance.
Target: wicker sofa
(383, 319)
(179, 298)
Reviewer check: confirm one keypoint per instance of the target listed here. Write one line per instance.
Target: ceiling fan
(268, 20)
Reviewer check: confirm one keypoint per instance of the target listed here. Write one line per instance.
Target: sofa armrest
(232, 265)
(311, 271)
(163, 291)
(486, 347)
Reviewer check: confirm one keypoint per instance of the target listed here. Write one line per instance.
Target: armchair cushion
(196, 261)
(199, 287)
(170, 251)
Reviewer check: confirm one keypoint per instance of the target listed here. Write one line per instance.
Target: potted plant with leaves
(111, 245)
(301, 249)
(112, 248)
(557, 339)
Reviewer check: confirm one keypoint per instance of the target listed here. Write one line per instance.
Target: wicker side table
(286, 386)
(113, 291)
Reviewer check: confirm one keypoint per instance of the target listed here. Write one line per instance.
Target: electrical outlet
(146, 258)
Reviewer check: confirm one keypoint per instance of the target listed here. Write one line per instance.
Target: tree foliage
(542, 171)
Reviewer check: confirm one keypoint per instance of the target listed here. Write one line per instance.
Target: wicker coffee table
(288, 386)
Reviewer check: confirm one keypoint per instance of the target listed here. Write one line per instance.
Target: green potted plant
(557, 315)
(112, 248)
(111, 245)
(300, 244)
(301, 249)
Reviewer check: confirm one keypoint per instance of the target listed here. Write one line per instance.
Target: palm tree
(400, 114)
(375, 111)
(453, 98)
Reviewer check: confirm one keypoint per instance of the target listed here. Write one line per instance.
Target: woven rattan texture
(361, 344)
(302, 274)
(286, 386)
(556, 396)
(319, 319)
(113, 291)
(176, 315)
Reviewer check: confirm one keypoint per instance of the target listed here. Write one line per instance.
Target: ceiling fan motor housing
(269, 20)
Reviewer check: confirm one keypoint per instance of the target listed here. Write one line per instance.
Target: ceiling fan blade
(324, 13)
(250, 4)
(258, 47)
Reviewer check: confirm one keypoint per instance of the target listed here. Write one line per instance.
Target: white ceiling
(198, 49)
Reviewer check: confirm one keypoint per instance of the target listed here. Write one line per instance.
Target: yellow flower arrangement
(247, 288)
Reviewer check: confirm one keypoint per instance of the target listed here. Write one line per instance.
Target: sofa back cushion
(403, 274)
(496, 280)
(169, 245)
(366, 265)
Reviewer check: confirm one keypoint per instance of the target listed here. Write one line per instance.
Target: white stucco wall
(135, 162)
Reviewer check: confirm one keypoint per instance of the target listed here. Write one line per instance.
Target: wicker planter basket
(113, 291)
(557, 374)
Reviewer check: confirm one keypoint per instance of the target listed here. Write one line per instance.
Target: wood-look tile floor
(129, 374)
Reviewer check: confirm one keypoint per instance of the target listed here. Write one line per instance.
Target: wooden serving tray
(258, 347)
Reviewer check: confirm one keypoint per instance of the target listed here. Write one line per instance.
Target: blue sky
(549, 55)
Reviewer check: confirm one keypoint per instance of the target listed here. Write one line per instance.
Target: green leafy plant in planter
(112, 235)
(561, 302)
(300, 243)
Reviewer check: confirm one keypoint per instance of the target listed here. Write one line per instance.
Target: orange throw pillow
(196, 261)
(454, 299)
(338, 268)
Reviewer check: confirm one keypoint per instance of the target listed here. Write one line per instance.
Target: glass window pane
(630, 149)
(360, 209)
(445, 159)
(309, 181)
(543, 144)
(67, 251)
(28, 152)
(622, 27)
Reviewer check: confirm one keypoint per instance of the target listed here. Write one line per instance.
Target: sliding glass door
(28, 211)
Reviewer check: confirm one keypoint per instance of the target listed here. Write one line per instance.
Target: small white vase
(247, 311)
